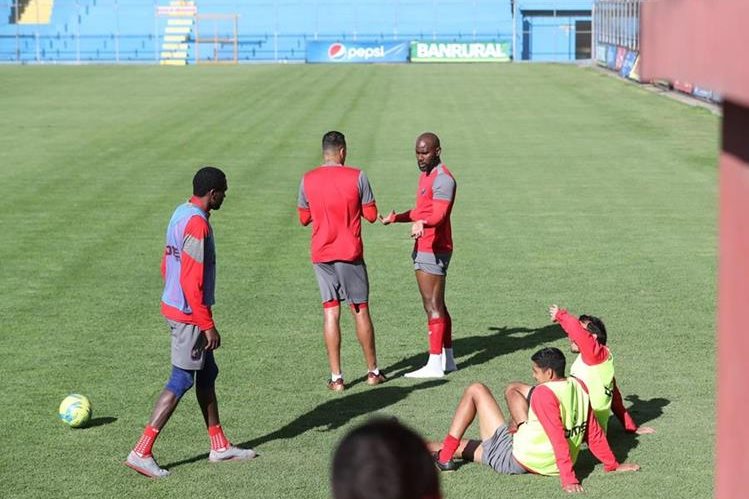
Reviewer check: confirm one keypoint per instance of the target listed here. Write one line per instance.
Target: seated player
(383, 459)
(595, 367)
(552, 422)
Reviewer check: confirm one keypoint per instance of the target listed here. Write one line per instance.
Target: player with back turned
(334, 198)
(430, 227)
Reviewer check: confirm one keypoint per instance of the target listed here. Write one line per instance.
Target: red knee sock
(447, 341)
(218, 439)
(436, 334)
(145, 443)
(449, 446)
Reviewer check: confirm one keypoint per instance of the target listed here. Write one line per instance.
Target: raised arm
(593, 353)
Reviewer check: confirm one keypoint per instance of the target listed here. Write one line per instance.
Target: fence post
(514, 31)
(117, 31)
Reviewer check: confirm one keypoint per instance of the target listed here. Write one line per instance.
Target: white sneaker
(425, 372)
(145, 465)
(433, 368)
(231, 453)
(448, 361)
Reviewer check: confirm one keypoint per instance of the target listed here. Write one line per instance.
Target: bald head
(429, 138)
(428, 151)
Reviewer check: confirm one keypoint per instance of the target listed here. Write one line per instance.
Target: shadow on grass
(332, 414)
(101, 421)
(642, 411)
(479, 349)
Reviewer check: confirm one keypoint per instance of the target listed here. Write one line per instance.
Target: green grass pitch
(573, 187)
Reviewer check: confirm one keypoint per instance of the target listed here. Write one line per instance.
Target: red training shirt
(435, 196)
(334, 198)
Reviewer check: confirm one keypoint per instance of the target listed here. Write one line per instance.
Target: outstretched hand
(628, 467)
(553, 309)
(574, 488)
(645, 430)
(417, 229)
(388, 219)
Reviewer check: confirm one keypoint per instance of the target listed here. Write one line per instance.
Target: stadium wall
(617, 47)
(279, 30)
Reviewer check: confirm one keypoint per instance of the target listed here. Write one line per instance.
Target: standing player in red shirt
(334, 198)
(430, 227)
(189, 270)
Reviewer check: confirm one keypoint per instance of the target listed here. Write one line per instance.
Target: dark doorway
(583, 40)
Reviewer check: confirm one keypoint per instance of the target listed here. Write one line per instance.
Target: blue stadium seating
(129, 31)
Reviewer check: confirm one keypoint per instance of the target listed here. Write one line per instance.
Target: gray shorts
(431, 263)
(343, 281)
(188, 346)
(498, 453)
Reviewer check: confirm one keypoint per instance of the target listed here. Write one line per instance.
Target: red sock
(447, 341)
(436, 333)
(449, 446)
(145, 443)
(218, 439)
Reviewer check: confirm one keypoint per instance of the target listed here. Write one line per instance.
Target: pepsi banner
(357, 52)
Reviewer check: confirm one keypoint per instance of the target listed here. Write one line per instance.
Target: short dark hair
(595, 326)
(551, 358)
(382, 459)
(333, 140)
(206, 179)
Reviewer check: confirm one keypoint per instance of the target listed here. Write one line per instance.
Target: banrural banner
(357, 52)
(460, 51)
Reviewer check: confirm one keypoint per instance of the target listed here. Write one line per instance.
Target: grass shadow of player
(105, 420)
(479, 349)
(621, 443)
(331, 415)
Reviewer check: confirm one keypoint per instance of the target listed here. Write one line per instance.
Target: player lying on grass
(552, 423)
(595, 367)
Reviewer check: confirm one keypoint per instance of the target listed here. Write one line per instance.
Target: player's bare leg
(365, 334)
(208, 405)
(516, 396)
(140, 458)
(477, 400)
(432, 289)
(221, 449)
(162, 411)
(332, 335)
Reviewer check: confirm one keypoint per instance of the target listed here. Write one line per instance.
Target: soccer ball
(75, 410)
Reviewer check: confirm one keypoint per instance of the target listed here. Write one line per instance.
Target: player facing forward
(552, 421)
(430, 227)
(595, 366)
(334, 198)
(189, 270)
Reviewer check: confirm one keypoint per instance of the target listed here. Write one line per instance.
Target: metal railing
(617, 22)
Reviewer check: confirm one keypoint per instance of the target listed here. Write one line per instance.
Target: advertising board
(356, 52)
